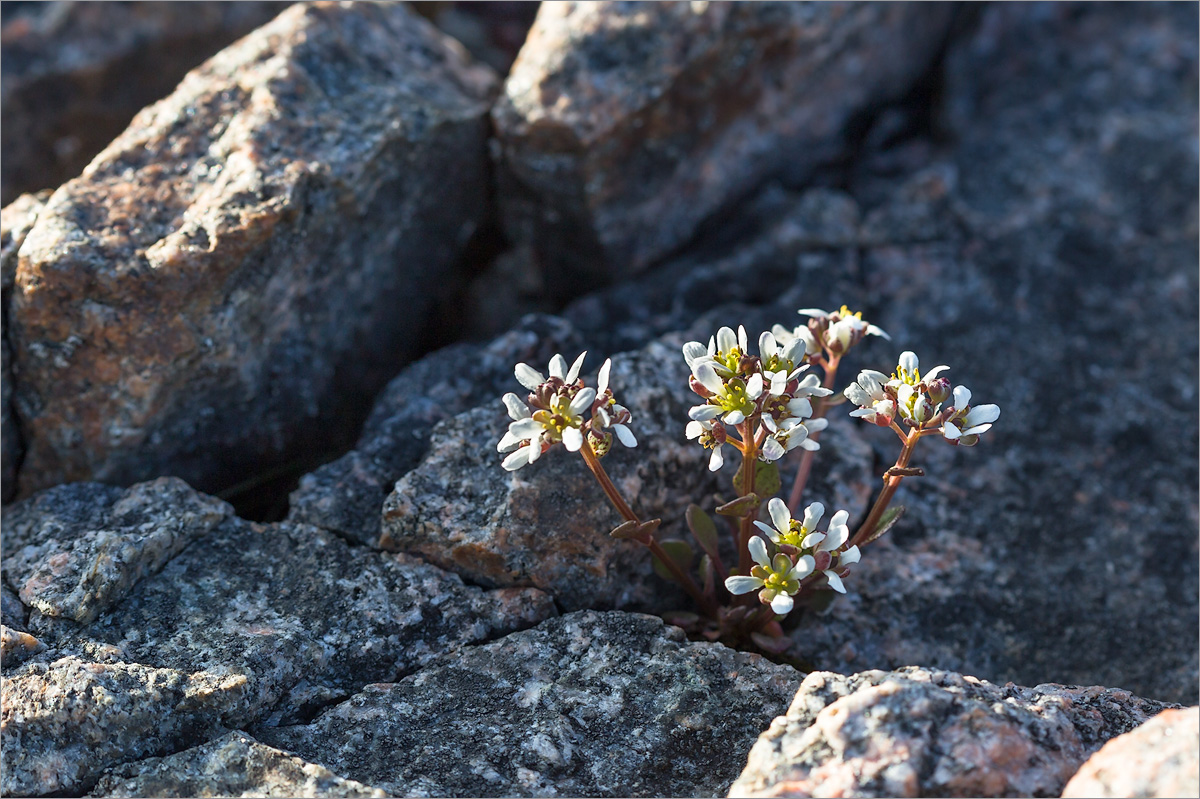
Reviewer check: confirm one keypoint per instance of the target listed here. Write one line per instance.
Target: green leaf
(702, 527)
(767, 643)
(709, 574)
(678, 551)
(627, 530)
(766, 479)
(740, 506)
(889, 518)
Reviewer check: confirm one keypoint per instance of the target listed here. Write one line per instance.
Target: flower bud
(939, 390)
(699, 387)
(823, 560)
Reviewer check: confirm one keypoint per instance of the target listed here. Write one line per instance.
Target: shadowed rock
(919, 732)
(216, 296)
(235, 765)
(589, 704)
(623, 126)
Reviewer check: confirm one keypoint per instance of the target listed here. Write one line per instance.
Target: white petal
(934, 372)
(602, 377)
(694, 351)
(583, 400)
(516, 408)
(804, 567)
(625, 435)
(850, 556)
(816, 425)
(781, 517)
(702, 413)
(767, 346)
(812, 515)
(743, 340)
(800, 407)
(810, 445)
(726, 340)
(742, 585)
(950, 431)
(525, 428)
(694, 430)
(769, 422)
(962, 397)
(573, 372)
(812, 540)
(704, 372)
(982, 414)
(858, 395)
(873, 330)
(778, 383)
(835, 582)
(771, 532)
(812, 312)
(976, 430)
(535, 448)
(517, 459)
(508, 442)
(603, 417)
(716, 461)
(558, 366)
(772, 450)
(758, 551)
(572, 439)
(754, 386)
(909, 361)
(782, 604)
(734, 417)
(838, 534)
(528, 376)
(864, 413)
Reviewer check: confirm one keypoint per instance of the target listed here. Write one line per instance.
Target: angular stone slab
(216, 296)
(234, 765)
(588, 704)
(622, 127)
(77, 550)
(925, 732)
(76, 73)
(1161, 758)
(548, 524)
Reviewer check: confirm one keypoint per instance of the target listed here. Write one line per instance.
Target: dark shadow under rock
(589, 704)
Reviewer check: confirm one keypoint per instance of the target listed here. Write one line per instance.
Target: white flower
(781, 363)
(785, 338)
(712, 436)
(821, 548)
(779, 580)
(967, 423)
(610, 414)
(732, 398)
(843, 328)
(868, 393)
(531, 378)
(790, 434)
(724, 351)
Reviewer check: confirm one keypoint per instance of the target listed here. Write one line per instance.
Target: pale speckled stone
(588, 704)
(17, 646)
(925, 732)
(1159, 759)
(234, 765)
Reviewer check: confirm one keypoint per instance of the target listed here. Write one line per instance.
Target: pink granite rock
(1161, 758)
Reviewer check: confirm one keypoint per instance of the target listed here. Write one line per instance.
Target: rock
(77, 550)
(74, 74)
(548, 524)
(17, 646)
(289, 617)
(623, 127)
(491, 32)
(347, 495)
(234, 765)
(12, 611)
(63, 721)
(1157, 759)
(926, 732)
(588, 704)
(215, 297)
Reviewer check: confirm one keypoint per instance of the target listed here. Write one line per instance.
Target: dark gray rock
(78, 550)
(234, 765)
(589, 704)
(347, 495)
(624, 126)
(13, 612)
(216, 297)
(74, 74)
(922, 732)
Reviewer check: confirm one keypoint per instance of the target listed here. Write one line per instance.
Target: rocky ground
(257, 540)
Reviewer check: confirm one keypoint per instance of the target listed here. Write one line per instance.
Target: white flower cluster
(920, 402)
(840, 330)
(555, 411)
(764, 391)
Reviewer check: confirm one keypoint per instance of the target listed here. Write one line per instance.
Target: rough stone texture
(215, 297)
(77, 550)
(548, 524)
(235, 765)
(74, 74)
(1158, 759)
(919, 732)
(589, 704)
(347, 495)
(623, 126)
(13, 612)
(17, 646)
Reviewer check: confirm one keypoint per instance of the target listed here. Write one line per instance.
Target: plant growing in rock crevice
(762, 406)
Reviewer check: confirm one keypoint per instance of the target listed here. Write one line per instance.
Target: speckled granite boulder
(77, 550)
(623, 126)
(234, 765)
(919, 732)
(1161, 758)
(74, 74)
(17, 646)
(588, 704)
(216, 296)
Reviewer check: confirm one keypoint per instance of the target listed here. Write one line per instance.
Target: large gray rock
(920, 732)
(216, 296)
(74, 74)
(589, 704)
(233, 765)
(623, 126)
(1161, 758)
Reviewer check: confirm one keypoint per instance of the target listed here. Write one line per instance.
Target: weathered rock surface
(74, 74)
(13, 612)
(270, 621)
(234, 765)
(1158, 759)
(347, 495)
(919, 732)
(548, 524)
(215, 297)
(623, 126)
(588, 704)
(77, 550)
(17, 646)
